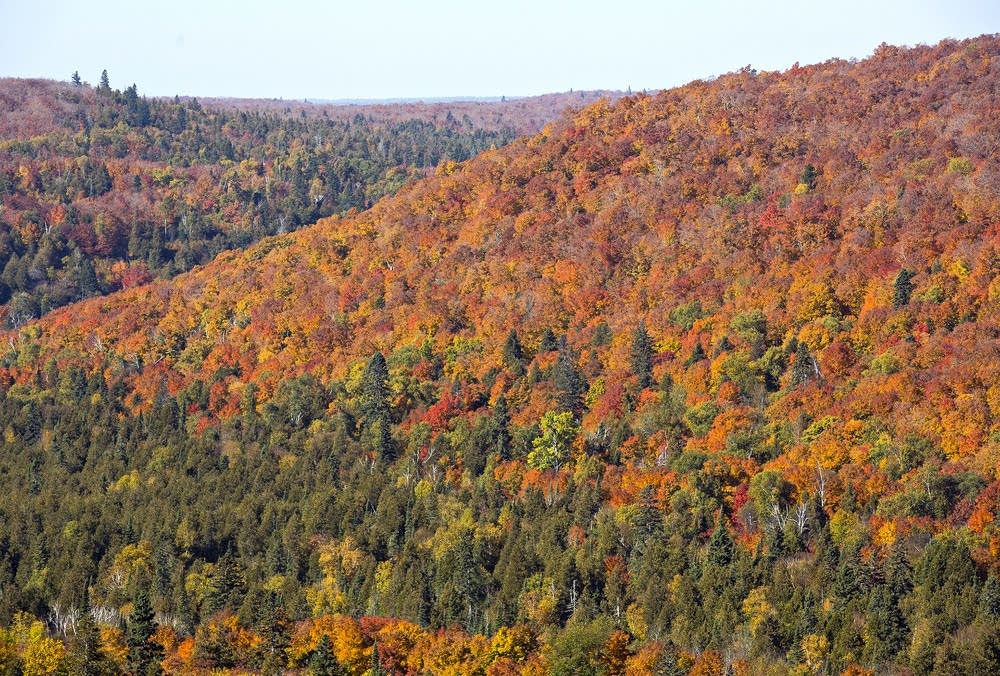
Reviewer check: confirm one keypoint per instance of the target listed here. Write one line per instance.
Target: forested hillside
(103, 189)
(702, 382)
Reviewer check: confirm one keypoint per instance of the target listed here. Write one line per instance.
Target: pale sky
(389, 48)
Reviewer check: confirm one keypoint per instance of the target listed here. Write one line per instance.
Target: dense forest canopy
(103, 189)
(701, 382)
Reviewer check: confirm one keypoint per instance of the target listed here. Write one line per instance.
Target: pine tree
(902, 287)
(548, 342)
(568, 383)
(228, 585)
(144, 655)
(513, 354)
(375, 389)
(374, 405)
(989, 600)
(273, 628)
(898, 572)
(105, 86)
(887, 632)
(376, 663)
(720, 548)
(323, 662)
(501, 428)
(809, 176)
(804, 369)
(642, 356)
(77, 82)
(85, 656)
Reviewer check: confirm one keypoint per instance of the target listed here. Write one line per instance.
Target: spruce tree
(548, 342)
(323, 662)
(803, 369)
(375, 389)
(143, 655)
(642, 356)
(989, 600)
(568, 383)
(903, 288)
(501, 428)
(898, 572)
(697, 355)
(513, 354)
(85, 656)
(374, 405)
(720, 547)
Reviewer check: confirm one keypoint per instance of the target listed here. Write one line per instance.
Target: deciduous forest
(700, 382)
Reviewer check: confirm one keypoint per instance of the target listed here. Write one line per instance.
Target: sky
(294, 49)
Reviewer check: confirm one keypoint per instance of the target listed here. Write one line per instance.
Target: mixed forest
(701, 382)
(103, 189)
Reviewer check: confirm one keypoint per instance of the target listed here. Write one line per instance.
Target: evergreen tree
(569, 384)
(228, 585)
(513, 354)
(85, 656)
(274, 629)
(105, 86)
(809, 176)
(898, 572)
(989, 600)
(548, 342)
(804, 369)
(902, 288)
(375, 389)
(323, 662)
(77, 82)
(375, 669)
(501, 428)
(697, 355)
(374, 405)
(642, 356)
(887, 632)
(143, 655)
(721, 548)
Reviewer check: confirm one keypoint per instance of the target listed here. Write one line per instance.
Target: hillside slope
(102, 189)
(738, 341)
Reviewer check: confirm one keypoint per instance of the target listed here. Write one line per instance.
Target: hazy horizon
(446, 49)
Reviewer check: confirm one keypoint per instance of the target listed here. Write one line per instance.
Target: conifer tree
(721, 548)
(323, 662)
(568, 383)
(902, 287)
(143, 654)
(642, 356)
(513, 353)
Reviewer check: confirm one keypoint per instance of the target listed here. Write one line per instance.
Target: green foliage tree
(569, 383)
(144, 655)
(548, 342)
(551, 449)
(721, 548)
(804, 366)
(902, 288)
(513, 354)
(323, 662)
(642, 356)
